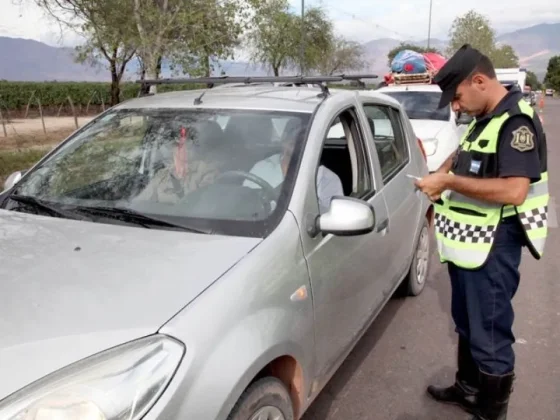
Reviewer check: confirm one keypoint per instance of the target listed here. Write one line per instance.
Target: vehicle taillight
(421, 146)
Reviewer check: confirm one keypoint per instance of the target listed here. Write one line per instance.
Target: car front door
(347, 272)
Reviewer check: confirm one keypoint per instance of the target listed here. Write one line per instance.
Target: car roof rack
(425, 78)
(296, 80)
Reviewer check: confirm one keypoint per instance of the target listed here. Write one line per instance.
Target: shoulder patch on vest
(523, 139)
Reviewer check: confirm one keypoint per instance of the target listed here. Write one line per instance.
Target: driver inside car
(273, 170)
(190, 167)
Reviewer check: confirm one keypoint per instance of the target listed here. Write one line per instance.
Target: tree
(474, 28)
(319, 39)
(407, 46)
(275, 38)
(272, 36)
(552, 78)
(504, 56)
(342, 55)
(220, 23)
(532, 80)
(471, 28)
(109, 33)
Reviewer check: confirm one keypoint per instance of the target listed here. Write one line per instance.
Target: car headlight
(121, 383)
(430, 146)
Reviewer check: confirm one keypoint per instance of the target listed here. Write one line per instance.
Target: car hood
(428, 129)
(69, 289)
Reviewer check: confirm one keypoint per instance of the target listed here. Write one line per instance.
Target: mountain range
(31, 60)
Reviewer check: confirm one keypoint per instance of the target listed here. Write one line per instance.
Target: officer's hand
(433, 185)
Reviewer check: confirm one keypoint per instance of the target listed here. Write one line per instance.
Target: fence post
(73, 111)
(29, 104)
(3, 123)
(41, 114)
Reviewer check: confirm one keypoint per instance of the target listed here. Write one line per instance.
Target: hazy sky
(361, 20)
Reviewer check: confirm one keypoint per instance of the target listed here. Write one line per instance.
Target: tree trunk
(207, 69)
(276, 71)
(115, 89)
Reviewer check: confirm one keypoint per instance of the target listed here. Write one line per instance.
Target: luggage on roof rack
(410, 67)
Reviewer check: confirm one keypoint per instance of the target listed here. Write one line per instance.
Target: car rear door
(391, 142)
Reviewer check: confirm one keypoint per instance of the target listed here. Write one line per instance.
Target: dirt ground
(29, 133)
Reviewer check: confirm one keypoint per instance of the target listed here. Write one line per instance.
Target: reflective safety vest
(465, 227)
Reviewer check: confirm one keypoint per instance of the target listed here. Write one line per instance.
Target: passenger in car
(273, 170)
(191, 167)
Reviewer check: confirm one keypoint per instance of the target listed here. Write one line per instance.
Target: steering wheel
(269, 193)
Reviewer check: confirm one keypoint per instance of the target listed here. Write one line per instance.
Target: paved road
(412, 343)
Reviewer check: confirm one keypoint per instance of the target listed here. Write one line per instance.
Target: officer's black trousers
(481, 301)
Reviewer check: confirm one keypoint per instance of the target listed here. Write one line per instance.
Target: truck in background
(512, 76)
(517, 76)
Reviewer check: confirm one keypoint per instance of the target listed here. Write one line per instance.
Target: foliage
(107, 28)
(16, 95)
(341, 56)
(504, 56)
(552, 78)
(11, 161)
(532, 81)
(275, 38)
(408, 46)
(272, 36)
(187, 32)
(474, 28)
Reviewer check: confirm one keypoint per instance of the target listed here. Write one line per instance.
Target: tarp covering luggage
(434, 62)
(408, 61)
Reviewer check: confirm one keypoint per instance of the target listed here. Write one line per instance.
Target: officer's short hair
(485, 67)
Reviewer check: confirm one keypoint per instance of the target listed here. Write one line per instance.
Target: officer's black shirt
(510, 161)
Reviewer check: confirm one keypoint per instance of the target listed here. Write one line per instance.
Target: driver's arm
(267, 169)
(328, 186)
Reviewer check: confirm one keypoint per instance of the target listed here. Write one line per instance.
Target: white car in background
(439, 129)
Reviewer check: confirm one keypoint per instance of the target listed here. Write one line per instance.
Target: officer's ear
(479, 81)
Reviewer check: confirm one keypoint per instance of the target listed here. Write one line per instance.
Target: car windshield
(421, 105)
(224, 171)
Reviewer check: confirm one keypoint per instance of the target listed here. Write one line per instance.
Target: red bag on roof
(434, 62)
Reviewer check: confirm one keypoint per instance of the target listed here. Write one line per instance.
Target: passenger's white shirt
(270, 169)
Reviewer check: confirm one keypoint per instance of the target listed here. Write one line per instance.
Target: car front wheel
(265, 399)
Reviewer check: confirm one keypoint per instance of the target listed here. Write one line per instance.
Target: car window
(345, 154)
(388, 136)
(420, 105)
(180, 163)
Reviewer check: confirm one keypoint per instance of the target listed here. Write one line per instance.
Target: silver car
(172, 259)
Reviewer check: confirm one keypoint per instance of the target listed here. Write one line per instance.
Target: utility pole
(430, 24)
(302, 42)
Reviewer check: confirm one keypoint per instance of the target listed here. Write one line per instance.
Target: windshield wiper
(133, 216)
(46, 207)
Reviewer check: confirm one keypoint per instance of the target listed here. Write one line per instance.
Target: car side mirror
(12, 180)
(464, 119)
(347, 216)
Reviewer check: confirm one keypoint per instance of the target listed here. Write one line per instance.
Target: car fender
(212, 378)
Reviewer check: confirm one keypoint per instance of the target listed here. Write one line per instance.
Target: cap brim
(446, 98)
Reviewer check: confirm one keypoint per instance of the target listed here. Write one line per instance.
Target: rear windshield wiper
(53, 209)
(133, 216)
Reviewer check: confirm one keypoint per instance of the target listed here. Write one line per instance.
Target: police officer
(490, 200)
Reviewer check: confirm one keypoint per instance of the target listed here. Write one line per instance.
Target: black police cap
(455, 70)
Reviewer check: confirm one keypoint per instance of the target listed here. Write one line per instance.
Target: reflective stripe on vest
(465, 227)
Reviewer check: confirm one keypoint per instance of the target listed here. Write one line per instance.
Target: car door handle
(382, 225)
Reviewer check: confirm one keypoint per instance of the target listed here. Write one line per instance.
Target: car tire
(415, 281)
(266, 395)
